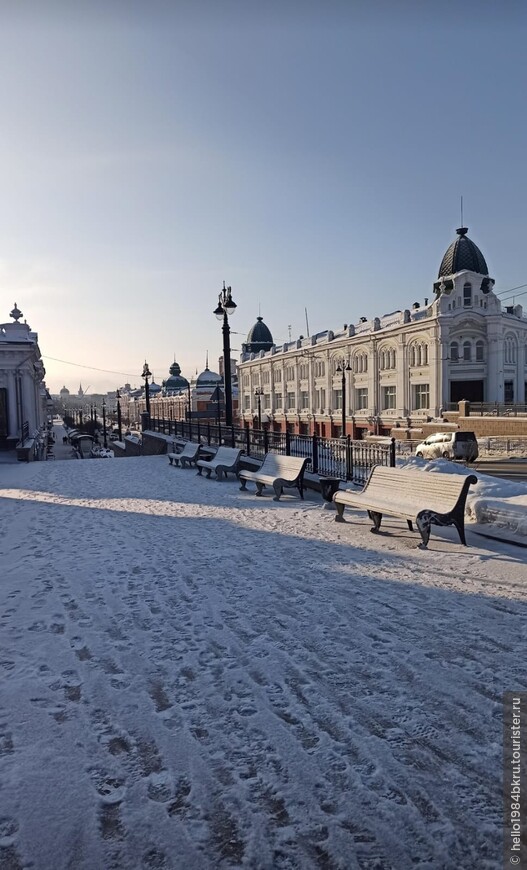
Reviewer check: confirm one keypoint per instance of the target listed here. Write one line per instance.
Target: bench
(227, 459)
(277, 471)
(187, 456)
(422, 497)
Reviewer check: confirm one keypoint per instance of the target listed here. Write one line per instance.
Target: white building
(406, 365)
(22, 389)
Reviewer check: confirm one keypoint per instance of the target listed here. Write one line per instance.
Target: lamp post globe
(226, 306)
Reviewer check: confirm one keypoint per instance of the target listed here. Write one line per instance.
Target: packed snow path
(193, 677)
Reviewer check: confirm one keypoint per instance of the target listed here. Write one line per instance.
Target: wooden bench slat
(439, 499)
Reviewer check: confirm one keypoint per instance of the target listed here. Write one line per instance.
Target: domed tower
(207, 380)
(462, 256)
(259, 338)
(175, 383)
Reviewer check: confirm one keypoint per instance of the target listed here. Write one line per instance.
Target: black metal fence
(342, 458)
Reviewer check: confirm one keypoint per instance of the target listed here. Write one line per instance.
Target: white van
(449, 445)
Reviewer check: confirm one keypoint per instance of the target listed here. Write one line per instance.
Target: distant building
(407, 365)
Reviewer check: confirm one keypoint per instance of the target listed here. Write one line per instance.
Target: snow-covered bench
(226, 459)
(188, 455)
(420, 497)
(277, 471)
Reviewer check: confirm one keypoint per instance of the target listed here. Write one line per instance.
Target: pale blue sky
(310, 154)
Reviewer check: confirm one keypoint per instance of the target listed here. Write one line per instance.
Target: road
(509, 469)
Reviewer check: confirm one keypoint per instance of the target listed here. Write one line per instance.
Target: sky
(311, 155)
(194, 677)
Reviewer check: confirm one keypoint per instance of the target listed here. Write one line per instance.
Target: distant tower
(81, 391)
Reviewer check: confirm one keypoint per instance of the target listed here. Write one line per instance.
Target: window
(361, 398)
(454, 351)
(246, 402)
(278, 400)
(320, 399)
(467, 295)
(510, 350)
(387, 359)
(480, 351)
(508, 391)
(267, 400)
(467, 351)
(319, 369)
(304, 400)
(291, 401)
(304, 370)
(337, 399)
(388, 398)
(421, 397)
(277, 376)
(265, 378)
(290, 373)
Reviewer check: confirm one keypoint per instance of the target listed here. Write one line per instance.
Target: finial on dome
(16, 314)
(462, 231)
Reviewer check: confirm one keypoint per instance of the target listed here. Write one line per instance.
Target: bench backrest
(226, 455)
(190, 450)
(278, 465)
(435, 491)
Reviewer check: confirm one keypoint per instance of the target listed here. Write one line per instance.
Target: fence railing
(492, 409)
(342, 458)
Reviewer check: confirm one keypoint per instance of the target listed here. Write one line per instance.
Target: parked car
(449, 445)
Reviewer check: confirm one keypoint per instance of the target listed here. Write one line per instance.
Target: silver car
(449, 445)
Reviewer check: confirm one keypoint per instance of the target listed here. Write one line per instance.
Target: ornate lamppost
(259, 393)
(147, 374)
(119, 420)
(226, 307)
(343, 367)
(104, 423)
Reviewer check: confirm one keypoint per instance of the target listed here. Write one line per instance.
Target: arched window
(425, 354)
(392, 358)
(467, 295)
(454, 351)
(480, 351)
(467, 351)
(510, 350)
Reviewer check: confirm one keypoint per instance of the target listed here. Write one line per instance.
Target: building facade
(398, 369)
(23, 397)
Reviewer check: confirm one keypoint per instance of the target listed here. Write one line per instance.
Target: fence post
(314, 441)
(392, 453)
(287, 442)
(266, 441)
(233, 439)
(247, 440)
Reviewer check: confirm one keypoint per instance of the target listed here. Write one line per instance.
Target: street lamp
(104, 423)
(147, 374)
(259, 393)
(343, 367)
(226, 307)
(119, 421)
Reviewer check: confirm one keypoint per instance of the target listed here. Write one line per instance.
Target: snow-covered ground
(193, 677)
